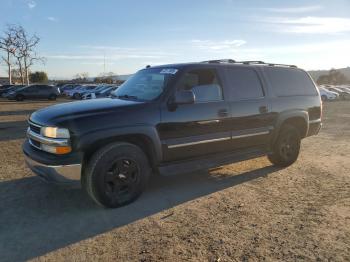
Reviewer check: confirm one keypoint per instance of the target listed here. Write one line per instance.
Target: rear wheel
(286, 149)
(52, 97)
(76, 96)
(116, 175)
(324, 98)
(19, 98)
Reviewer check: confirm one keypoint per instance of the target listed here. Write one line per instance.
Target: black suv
(174, 119)
(34, 92)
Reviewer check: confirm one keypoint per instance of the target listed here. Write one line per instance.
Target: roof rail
(219, 61)
(251, 62)
(231, 61)
(263, 63)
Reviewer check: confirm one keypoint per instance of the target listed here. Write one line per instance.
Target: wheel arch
(146, 138)
(298, 119)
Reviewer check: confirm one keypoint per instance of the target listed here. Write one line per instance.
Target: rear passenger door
(31, 91)
(252, 120)
(44, 91)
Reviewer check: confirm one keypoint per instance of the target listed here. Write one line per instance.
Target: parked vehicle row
(88, 91)
(331, 93)
(74, 91)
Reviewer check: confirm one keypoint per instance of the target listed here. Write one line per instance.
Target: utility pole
(104, 63)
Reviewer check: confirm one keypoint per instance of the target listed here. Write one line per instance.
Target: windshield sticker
(170, 71)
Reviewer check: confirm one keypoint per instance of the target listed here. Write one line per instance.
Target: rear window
(290, 82)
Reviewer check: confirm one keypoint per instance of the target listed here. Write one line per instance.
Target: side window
(244, 82)
(31, 89)
(204, 83)
(290, 82)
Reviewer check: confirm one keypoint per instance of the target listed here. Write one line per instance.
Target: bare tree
(8, 45)
(25, 52)
(84, 75)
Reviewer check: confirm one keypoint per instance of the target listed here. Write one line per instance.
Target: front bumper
(63, 172)
(66, 174)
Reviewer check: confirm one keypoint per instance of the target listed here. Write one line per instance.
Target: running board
(188, 166)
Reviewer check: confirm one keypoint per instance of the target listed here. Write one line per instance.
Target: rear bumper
(314, 127)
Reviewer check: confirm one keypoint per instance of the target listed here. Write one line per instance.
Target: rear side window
(244, 83)
(290, 82)
(32, 88)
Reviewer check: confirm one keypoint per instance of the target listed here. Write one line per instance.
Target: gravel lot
(246, 211)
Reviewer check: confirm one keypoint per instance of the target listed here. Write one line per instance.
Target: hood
(64, 112)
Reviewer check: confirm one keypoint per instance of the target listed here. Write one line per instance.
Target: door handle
(223, 112)
(263, 109)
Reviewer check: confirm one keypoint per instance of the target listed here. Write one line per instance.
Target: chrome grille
(35, 128)
(34, 143)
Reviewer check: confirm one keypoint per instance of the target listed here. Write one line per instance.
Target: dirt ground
(241, 212)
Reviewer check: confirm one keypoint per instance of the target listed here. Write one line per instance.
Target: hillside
(316, 74)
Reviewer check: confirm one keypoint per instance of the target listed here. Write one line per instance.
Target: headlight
(55, 132)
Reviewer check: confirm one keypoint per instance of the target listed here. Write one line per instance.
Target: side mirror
(184, 97)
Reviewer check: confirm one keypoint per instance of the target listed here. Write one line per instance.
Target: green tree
(38, 77)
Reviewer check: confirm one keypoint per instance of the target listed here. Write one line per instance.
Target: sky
(123, 36)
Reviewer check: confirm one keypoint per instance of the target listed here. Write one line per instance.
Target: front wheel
(116, 175)
(286, 149)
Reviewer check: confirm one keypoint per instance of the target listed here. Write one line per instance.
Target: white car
(327, 95)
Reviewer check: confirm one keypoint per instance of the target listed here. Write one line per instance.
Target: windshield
(145, 85)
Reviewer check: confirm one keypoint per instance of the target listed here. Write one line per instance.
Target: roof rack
(231, 61)
(219, 61)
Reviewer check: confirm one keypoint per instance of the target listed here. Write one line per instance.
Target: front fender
(87, 140)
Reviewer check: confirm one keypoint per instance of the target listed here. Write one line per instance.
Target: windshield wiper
(127, 97)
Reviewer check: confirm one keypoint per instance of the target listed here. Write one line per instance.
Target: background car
(5, 87)
(34, 92)
(67, 87)
(105, 92)
(327, 95)
(4, 92)
(344, 88)
(70, 91)
(344, 95)
(93, 90)
(77, 94)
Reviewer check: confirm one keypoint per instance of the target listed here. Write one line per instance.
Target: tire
(19, 98)
(324, 98)
(116, 175)
(76, 96)
(52, 97)
(286, 149)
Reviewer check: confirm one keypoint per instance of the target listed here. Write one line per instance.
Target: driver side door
(200, 128)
